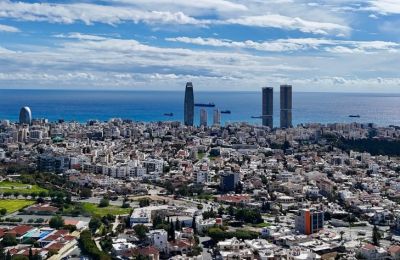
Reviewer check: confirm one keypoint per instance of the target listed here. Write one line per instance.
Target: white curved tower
(25, 116)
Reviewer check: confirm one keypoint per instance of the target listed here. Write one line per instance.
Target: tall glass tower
(189, 105)
(25, 116)
(286, 106)
(267, 107)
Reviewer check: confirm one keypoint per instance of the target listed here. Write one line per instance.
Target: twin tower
(268, 106)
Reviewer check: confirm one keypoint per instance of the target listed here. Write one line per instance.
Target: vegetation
(104, 203)
(56, 222)
(7, 186)
(89, 246)
(261, 225)
(13, 205)
(93, 209)
(141, 231)
(217, 234)
(376, 236)
(372, 146)
(144, 202)
(9, 240)
(94, 224)
(85, 193)
(252, 216)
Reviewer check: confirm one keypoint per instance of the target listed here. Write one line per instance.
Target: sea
(150, 106)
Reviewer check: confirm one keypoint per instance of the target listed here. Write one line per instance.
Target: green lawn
(261, 225)
(93, 209)
(14, 205)
(20, 187)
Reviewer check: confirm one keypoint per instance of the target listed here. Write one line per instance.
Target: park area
(94, 209)
(7, 186)
(14, 205)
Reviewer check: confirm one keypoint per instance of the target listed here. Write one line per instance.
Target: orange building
(309, 221)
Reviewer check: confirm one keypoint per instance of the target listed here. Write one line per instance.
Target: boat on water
(225, 112)
(204, 105)
(357, 116)
(168, 114)
(257, 117)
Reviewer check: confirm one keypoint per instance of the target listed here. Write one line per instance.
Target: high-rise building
(267, 107)
(217, 117)
(309, 221)
(25, 116)
(203, 117)
(286, 106)
(189, 105)
(229, 180)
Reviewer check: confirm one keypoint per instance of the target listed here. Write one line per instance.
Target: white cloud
(7, 28)
(110, 14)
(290, 23)
(296, 44)
(189, 6)
(81, 36)
(88, 13)
(385, 6)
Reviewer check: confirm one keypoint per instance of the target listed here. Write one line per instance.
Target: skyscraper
(189, 105)
(217, 117)
(203, 117)
(286, 106)
(25, 116)
(267, 107)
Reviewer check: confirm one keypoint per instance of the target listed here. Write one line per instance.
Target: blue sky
(224, 45)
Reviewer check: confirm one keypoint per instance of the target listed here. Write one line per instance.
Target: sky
(219, 45)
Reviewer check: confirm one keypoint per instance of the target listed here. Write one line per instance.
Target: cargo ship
(225, 112)
(204, 105)
(169, 114)
(357, 116)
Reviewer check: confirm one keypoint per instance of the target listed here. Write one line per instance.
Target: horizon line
(201, 91)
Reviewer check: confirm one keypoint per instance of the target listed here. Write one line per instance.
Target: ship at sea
(356, 116)
(168, 114)
(204, 105)
(225, 112)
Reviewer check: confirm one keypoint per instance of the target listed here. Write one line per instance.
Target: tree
(104, 203)
(341, 235)
(86, 193)
(42, 194)
(33, 195)
(141, 231)
(376, 236)
(144, 202)
(3, 212)
(56, 222)
(9, 240)
(177, 224)
(171, 231)
(194, 227)
(94, 223)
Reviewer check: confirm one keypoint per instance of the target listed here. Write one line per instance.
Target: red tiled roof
(369, 246)
(56, 235)
(149, 250)
(20, 230)
(72, 222)
(55, 246)
(394, 249)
